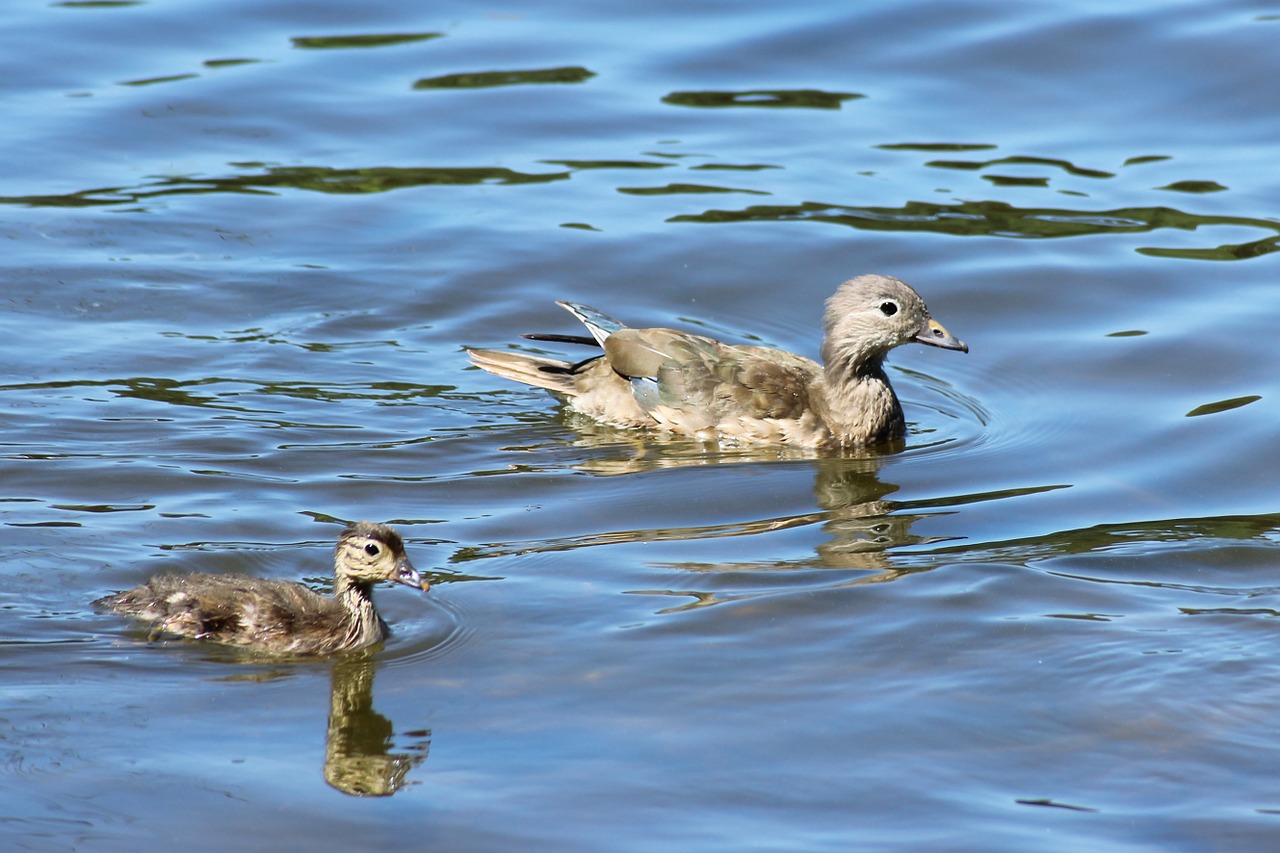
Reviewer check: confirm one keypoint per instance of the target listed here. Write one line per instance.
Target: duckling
(275, 616)
(694, 385)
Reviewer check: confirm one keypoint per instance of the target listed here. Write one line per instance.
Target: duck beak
(933, 334)
(406, 574)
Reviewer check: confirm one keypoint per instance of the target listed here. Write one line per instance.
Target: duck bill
(406, 574)
(933, 334)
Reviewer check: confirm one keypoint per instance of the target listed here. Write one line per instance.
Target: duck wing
(697, 383)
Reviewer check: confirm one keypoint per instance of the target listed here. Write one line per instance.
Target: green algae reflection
(684, 189)
(269, 180)
(1223, 406)
(490, 79)
(998, 219)
(814, 99)
(360, 41)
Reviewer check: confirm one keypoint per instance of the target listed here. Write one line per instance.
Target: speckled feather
(275, 616)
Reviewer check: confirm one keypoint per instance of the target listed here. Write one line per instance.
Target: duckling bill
(694, 385)
(275, 616)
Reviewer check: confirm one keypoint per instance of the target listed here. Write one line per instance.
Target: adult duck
(694, 385)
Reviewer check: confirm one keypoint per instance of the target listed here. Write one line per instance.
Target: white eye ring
(888, 308)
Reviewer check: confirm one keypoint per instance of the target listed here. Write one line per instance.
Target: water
(245, 244)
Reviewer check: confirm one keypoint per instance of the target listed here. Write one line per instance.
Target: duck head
(871, 314)
(369, 552)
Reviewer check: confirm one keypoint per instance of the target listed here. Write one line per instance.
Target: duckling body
(695, 385)
(275, 616)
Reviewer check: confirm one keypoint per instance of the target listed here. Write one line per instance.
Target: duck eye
(888, 309)
(371, 549)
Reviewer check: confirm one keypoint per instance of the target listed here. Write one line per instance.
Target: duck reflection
(852, 500)
(357, 757)
(862, 525)
(854, 509)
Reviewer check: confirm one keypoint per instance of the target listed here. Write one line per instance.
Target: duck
(275, 616)
(696, 386)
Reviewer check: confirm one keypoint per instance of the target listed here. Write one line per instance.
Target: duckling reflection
(274, 616)
(357, 756)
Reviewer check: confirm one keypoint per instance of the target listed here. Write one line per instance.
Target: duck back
(277, 616)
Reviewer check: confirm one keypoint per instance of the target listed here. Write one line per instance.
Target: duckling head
(369, 552)
(871, 314)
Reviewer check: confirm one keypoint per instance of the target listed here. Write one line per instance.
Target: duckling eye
(888, 309)
(371, 549)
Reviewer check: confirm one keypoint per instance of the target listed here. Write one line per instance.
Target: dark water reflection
(485, 79)
(810, 98)
(1003, 220)
(967, 218)
(312, 178)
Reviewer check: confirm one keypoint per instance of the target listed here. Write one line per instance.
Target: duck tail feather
(599, 324)
(553, 375)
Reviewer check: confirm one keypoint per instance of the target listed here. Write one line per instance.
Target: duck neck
(846, 364)
(365, 625)
(860, 406)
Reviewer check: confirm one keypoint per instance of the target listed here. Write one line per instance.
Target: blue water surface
(246, 243)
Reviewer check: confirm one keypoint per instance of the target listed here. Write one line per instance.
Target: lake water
(246, 241)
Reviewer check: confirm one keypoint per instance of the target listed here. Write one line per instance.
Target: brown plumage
(697, 386)
(279, 617)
